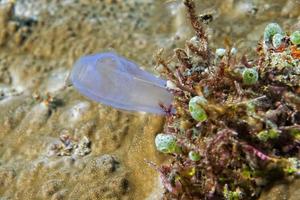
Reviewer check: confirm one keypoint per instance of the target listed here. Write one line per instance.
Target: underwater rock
(35, 118)
(75, 113)
(285, 189)
(7, 175)
(12, 27)
(120, 184)
(109, 180)
(50, 187)
(71, 146)
(101, 166)
(60, 195)
(115, 81)
(78, 111)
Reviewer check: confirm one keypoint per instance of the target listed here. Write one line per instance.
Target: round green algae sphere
(277, 40)
(196, 110)
(194, 156)
(265, 135)
(250, 76)
(220, 52)
(270, 30)
(233, 51)
(295, 38)
(166, 143)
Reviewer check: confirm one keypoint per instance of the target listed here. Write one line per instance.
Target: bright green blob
(268, 134)
(166, 143)
(294, 165)
(295, 38)
(270, 30)
(196, 110)
(194, 156)
(250, 76)
(231, 195)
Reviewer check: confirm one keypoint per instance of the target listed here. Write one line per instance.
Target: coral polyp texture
(236, 121)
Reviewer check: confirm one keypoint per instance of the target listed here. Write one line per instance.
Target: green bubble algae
(246, 131)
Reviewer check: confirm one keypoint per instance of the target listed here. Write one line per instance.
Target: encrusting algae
(236, 125)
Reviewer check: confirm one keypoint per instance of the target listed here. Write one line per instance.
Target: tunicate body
(115, 81)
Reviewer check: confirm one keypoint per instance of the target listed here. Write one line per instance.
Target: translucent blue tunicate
(115, 81)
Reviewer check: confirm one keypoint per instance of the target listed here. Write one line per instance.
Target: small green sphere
(166, 143)
(270, 30)
(250, 76)
(265, 135)
(198, 100)
(295, 38)
(196, 110)
(233, 51)
(220, 52)
(194, 156)
(277, 40)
